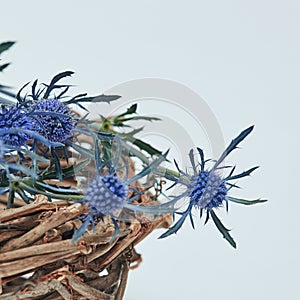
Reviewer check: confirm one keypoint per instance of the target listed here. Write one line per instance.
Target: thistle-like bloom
(54, 120)
(206, 190)
(108, 195)
(13, 124)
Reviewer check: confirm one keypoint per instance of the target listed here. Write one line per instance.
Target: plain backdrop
(243, 58)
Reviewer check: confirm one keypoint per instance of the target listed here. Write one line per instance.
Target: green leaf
(222, 229)
(146, 147)
(5, 46)
(245, 202)
(119, 120)
(136, 118)
(129, 111)
(67, 172)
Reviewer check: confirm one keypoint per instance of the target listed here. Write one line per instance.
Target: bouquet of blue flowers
(73, 206)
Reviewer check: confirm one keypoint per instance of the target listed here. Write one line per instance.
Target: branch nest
(39, 261)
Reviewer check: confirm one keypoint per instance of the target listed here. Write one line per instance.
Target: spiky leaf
(243, 174)
(5, 46)
(178, 224)
(79, 232)
(222, 229)
(244, 201)
(233, 145)
(129, 111)
(4, 66)
(99, 98)
(146, 147)
(54, 80)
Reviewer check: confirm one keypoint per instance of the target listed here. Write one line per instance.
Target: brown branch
(56, 219)
(37, 238)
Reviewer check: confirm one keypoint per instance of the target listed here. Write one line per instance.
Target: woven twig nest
(36, 239)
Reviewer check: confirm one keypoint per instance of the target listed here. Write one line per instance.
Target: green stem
(160, 171)
(50, 195)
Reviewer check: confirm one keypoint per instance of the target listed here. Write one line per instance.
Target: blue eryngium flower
(108, 195)
(54, 120)
(207, 190)
(12, 121)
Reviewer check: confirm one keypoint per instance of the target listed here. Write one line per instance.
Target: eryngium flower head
(109, 195)
(54, 120)
(106, 194)
(207, 190)
(12, 119)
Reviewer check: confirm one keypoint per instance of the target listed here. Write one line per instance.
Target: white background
(243, 58)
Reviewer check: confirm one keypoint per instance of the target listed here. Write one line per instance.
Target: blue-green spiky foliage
(43, 117)
(206, 190)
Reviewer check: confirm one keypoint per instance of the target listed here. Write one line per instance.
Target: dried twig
(37, 238)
